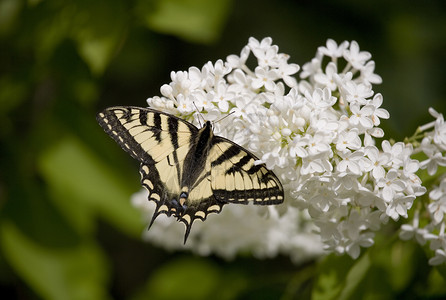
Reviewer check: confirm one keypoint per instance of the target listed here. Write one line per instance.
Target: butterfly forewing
(159, 141)
(188, 172)
(140, 131)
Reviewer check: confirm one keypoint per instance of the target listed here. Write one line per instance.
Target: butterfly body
(189, 172)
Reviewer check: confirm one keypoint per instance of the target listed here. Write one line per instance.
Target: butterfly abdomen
(195, 162)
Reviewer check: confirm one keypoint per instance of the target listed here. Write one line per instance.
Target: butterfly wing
(159, 141)
(236, 178)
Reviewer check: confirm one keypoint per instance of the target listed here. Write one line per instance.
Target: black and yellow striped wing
(189, 172)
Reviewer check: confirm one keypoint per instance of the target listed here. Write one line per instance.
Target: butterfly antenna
(198, 111)
(224, 117)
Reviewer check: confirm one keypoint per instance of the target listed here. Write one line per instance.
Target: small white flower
(410, 167)
(361, 116)
(378, 160)
(355, 57)
(184, 105)
(368, 75)
(240, 84)
(203, 101)
(222, 96)
(332, 49)
(395, 151)
(167, 91)
(364, 240)
(391, 184)
(357, 93)
(408, 232)
(440, 132)
(315, 164)
(264, 78)
(350, 162)
(326, 79)
(310, 68)
(212, 73)
(264, 44)
(377, 111)
(348, 140)
(285, 71)
(427, 146)
(439, 191)
(432, 163)
(183, 85)
(318, 143)
(437, 240)
(320, 98)
(354, 225)
(439, 258)
(267, 57)
(235, 61)
(399, 206)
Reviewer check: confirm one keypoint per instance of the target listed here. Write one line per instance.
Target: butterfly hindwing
(189, 172)
(236, 178)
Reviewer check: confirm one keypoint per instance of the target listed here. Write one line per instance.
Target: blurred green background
(67, 228)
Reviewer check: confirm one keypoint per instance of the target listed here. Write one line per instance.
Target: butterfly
(189, 172)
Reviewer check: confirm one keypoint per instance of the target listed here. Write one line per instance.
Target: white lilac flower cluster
(316, 133)
(431, 228)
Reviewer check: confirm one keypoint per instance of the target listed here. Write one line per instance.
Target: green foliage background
(67, 228)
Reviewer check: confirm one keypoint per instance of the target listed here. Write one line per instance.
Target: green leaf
(331, 279)
(436, 287)
(96, 49)
(442, 271)
(398, 262)
(76, 272)
(97, 27)
(13, 92)
(100, 28)
(9, 14)
(194, 20)
(340, 276)
(355, 276)
(84, 186)
(183, 279)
